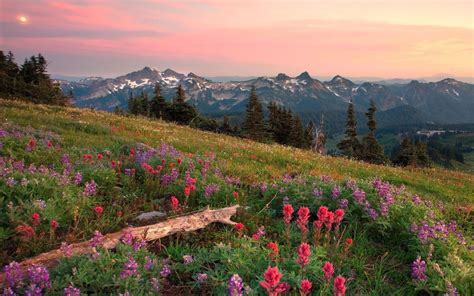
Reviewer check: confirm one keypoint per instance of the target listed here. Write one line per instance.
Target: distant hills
(399, 102)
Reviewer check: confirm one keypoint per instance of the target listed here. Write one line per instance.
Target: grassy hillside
(68, 174)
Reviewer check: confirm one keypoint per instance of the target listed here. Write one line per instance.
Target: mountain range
(446, 101)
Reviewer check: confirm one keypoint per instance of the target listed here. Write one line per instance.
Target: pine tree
(405, 155)
(133, 107)
(144, 105)
(180, 111)
(350, 145)
(158, 104)
(309, 135)
(180, 95)
(297, 133)
(254, 125)
(421, 152)
(372, 151)
(226, 128)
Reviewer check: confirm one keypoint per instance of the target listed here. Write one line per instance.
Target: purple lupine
(187, 259)
(8, 292)
(78, 178)
(201, 277)
(66, 249)
(335, 192)
(139, 244)
(416, 199)
(130, 268)
(96, 240)
(34, 290)
(325, 178)
(127, 237)
(344, 203)
(351, 184)
(39, 276)
(317, 192)
(13, 274)
(418, 270)
(71, 291)
(359, 196)
(66, 161)
(40, 204)
(235, 286)
(155, 284)
(372, 213)
(286, 200)
(129, 172)
(211, 189)
(263, 187)
(90, 188)
(148, 263)
(165, 269)
(11, 182)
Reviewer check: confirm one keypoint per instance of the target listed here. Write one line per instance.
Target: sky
(353, 38)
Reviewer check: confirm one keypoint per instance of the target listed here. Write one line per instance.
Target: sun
(22, 19)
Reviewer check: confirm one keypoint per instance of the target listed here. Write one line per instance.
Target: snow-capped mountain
(446, 101)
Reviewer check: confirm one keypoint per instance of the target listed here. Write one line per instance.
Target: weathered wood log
(152, 232)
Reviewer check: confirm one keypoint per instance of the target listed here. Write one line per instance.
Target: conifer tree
(158, 104)
(406, 153)
(372, 151)
(254, 125)
(350, 145)
(180, 111)
(297, 135)
(226, 128)
(144, 105)
(309, 135)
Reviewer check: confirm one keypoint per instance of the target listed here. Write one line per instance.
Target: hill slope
(68, 175)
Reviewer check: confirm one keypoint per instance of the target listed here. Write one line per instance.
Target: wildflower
(165, 270)
(174, 203)
(287, 213)
(26, 231)
(127, 237)
(72, 291)
(235, 286)
(100, 156)
(11, 182)
(418, 270)
(187, 259)
(304, 251)
(148, 263)
(130, 172)
(259, 233)
(339, 286)
(54, 224)
(39, 276)
(349, 242)
(201, 277)
(344, 203)
(303, 217)
(239, 226)
(155, 284)
(90, 188)
(78, 178)
(235, 194)
(96, 240)
(274, 249)
(210, 189)
(322, 212)
(339, 215)
(187, 191)
(35, 217)
(13, 274)
(317, 192)
(66, 249)
(328, 220)
(113, 163)
(305, 287)
(129, 269)
(328, 270)
(271, 282)
(98, 210)
(359, 196)
(335, 192)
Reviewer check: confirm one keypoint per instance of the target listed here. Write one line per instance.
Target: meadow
(307, 224)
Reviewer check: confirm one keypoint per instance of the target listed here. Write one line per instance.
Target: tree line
(29, 81)
(409, 153)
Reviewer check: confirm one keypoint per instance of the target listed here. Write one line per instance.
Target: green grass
(249, 160)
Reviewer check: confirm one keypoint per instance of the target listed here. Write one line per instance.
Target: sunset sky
(354, 38)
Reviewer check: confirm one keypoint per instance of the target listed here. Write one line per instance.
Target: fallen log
(152, 232)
